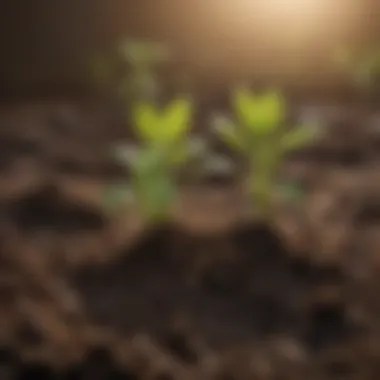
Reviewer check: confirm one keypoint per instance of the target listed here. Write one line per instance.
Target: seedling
(155, 165)
(143, 57)
(130, 69)
(363, 68)
(260, 136)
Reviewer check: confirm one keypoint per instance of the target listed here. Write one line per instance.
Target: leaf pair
(259, 117)
(162, 127)
(261, 114)
(142, 52)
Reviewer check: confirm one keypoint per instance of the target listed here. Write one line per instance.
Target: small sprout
(363, 68)
(165, 149)
(260, 136)
(143, 52)
(143, 58)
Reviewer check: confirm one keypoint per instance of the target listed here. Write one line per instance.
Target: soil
(87, 294)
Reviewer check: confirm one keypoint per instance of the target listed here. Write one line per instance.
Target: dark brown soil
(86, 295)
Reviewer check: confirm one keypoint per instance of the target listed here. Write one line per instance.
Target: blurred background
(46, 44)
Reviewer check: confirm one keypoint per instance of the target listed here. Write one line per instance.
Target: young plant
(260, 136)
(363, 68)
(155, 165)
(143, 58)
(129, 70)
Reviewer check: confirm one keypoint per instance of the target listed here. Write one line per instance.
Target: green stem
(263, 179)
(261, 194)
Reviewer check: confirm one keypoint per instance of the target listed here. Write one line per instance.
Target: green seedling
(363, 68)
(130, 69)
(260, 135)
(143, 57)
(155, 165)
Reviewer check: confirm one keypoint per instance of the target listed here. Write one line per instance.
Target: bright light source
(275, 13)
(294, 6)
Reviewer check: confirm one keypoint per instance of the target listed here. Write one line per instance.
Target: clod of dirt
(65, 121)
(40, 371)
(47, 209)
(179, 345)
(14, 148)
(143, 284)
(325, 275)
(339, 369)
(19, 146)
(349, 145)
(368, 213)
(259, 243)
(328, 325)
(9, 363)
(155, 242)
(164, 376)
(28, 334)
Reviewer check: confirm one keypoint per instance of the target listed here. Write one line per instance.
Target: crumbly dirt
(86, 294)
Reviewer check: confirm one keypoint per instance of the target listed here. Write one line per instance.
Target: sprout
(260, 136)
(143, 58)
(363, 68)
(165, 148)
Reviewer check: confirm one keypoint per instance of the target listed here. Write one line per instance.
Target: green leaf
(125, 154)
(261, 114)
(147, 121)
(165, 127)
(175, 121)
(269, 112)
(229, 133)
(299, 137)
(244, 104)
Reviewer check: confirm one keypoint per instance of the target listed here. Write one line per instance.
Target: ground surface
(91, 296)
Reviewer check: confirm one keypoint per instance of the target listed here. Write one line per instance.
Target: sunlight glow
(277, 17)
(294, 6)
